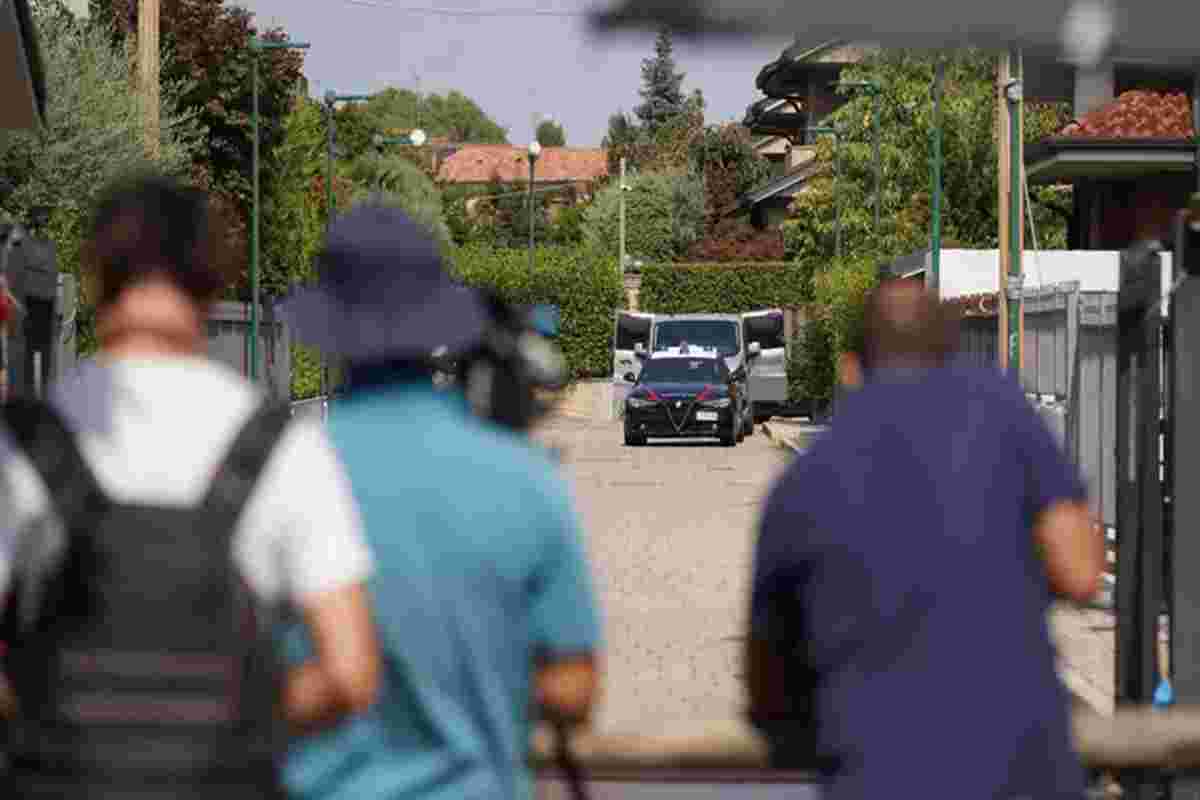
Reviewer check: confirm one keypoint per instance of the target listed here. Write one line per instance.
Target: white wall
(966, 272)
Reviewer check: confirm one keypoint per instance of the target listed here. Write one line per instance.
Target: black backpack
(139, 657)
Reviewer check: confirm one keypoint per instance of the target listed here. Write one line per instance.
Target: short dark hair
(148, 225)
(905, 323)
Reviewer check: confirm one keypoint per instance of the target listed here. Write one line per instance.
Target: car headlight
(639, 402)
(724, 402)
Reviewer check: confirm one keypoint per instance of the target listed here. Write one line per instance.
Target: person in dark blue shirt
(903, 574)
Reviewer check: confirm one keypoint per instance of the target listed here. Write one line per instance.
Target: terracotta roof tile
(1137, 114)
(481, 163)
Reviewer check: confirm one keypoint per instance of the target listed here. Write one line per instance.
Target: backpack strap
(239, 471)
(48, 443)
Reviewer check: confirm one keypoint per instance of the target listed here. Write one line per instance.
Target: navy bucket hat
(383, 294)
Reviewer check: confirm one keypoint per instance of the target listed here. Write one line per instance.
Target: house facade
(799, 93)
(1131, 161)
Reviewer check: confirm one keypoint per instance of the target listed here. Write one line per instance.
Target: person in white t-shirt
(153, 418)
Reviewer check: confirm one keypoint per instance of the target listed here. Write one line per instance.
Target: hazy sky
(515, 67)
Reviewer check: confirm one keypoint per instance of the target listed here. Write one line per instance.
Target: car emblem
(679, 404)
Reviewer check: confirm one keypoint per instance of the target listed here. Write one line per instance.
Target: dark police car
(684, 392)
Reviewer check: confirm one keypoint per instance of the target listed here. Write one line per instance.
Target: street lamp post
(535, 150)
(332, 98)
(874, 90)
(935, 236)
(256, 46)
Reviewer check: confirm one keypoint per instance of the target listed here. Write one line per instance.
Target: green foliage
(93, 133)
(812, 364)
(397, 182)
(725, 155)
(295, 210)
(306, 372)
(718, 288)
(206, 48)
(836, 318)
(662, 85)
(906, 126)
(396, 112)
(666, 147)
(551, 134)
(566, 229)
(583, 283)
(664, 216)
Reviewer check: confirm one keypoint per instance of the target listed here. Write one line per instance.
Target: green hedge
(581, 282)
(719, 288)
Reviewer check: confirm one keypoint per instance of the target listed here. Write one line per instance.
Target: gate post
(1183, 431)
(1139, 573)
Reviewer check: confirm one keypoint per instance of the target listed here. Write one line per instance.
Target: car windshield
(680, 370)
(705, 333)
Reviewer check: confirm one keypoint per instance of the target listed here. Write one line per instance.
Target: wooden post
(1018, 70)
(1003, 72)
(148, 71)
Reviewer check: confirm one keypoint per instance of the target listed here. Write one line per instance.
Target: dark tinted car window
(766, 330)
(681, 370)
(632, 330)
(699, 332)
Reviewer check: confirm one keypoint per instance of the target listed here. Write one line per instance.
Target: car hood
(671, 391)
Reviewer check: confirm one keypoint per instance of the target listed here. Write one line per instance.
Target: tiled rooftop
(1137, 114)
(482, 163)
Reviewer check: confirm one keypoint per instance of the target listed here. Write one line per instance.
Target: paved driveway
(670, 528)
(670, 531)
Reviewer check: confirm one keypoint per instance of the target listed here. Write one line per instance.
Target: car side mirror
(630, 377)
(639, 350)
(755, 350)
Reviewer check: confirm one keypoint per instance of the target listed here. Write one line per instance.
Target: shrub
(812, 367)
(718, 288)
(306, 372)
(582, 282)
(739, 243)
(836, 318)
(664, 216)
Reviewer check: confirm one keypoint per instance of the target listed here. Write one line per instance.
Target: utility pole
(148, 71)
(1004, 162)
(621, 221)
(935, 235)
(256, 47)
(1016, 230)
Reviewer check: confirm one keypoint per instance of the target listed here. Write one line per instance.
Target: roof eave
(1064, 158)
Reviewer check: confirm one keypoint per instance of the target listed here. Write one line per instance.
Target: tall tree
(394, 111)
(969, 164)
(206, 48)
(551, 134)
(662, 85)
(93, 133)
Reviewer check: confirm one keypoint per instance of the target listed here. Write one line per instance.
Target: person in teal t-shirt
(482, 593)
